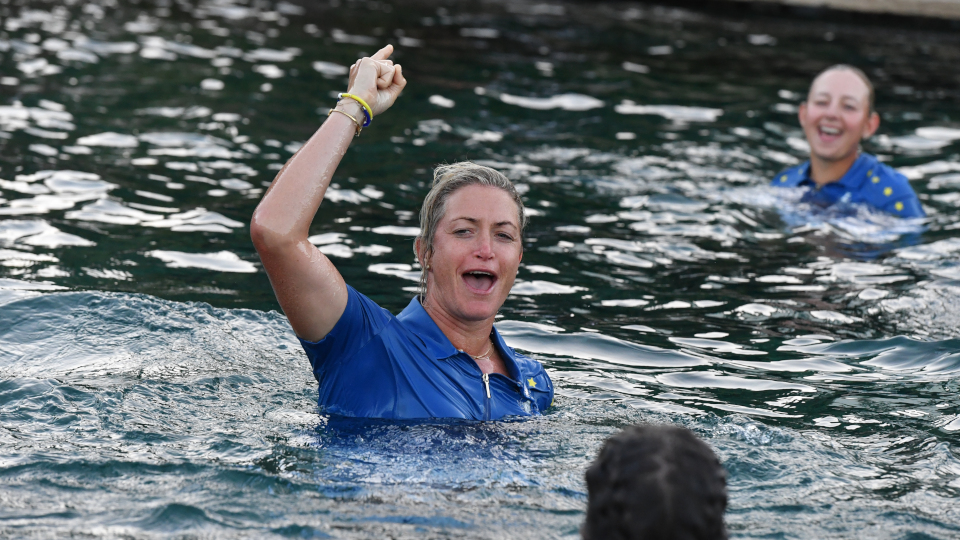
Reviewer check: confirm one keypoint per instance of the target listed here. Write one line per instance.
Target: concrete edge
(937, 9)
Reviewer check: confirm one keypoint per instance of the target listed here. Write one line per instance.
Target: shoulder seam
(380, 328)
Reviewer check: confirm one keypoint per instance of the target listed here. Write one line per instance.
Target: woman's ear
(873, 122)
(421, 252)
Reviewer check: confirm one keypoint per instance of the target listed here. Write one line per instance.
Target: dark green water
(150, 389)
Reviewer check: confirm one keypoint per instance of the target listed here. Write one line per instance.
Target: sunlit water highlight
(149, 388)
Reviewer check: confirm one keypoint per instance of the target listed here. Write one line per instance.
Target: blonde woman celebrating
(441, 357)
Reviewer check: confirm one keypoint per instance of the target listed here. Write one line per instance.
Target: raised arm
(311, 292)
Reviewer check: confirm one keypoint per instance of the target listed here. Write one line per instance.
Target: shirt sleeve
(900, 200)
(906, 206)
(782, 179)
(361, 321)
(789, 177)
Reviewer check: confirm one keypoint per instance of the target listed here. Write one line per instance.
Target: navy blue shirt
(375, 365)
(866, 182)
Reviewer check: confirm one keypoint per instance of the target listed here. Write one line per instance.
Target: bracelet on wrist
(350, 116)
(366, 108)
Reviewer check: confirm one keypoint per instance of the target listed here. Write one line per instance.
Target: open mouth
(829, 131)
(479, 281)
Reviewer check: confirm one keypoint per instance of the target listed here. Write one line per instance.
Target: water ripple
(662, 280)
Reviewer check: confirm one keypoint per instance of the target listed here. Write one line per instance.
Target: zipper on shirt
(486, 387)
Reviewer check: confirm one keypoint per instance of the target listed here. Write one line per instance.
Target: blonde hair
(447, 179)
(856, 71)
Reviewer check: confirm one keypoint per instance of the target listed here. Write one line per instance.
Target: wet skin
(308, 286)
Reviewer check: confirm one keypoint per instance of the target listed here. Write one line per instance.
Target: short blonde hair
(856, 71)
(447, 179)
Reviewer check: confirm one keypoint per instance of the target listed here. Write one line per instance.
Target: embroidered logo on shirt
(532, 383)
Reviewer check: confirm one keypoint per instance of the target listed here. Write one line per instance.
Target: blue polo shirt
(375, 365)
(866, 182)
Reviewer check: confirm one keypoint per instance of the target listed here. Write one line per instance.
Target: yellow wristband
(366, 108)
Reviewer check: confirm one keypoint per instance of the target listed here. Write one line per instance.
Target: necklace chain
(486, 354)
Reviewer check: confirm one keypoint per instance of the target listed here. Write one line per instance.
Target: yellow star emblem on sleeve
(532, 383)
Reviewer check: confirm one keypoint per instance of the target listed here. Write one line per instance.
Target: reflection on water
(661, 281)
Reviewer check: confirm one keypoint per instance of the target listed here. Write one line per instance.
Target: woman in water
(441, 357)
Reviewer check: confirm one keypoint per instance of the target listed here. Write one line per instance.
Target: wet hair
(655, 483)
(447, 179)
(856, 71)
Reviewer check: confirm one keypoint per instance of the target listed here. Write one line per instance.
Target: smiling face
(476, 253)
(837, 115)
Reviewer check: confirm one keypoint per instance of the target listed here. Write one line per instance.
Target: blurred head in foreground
(655, 483)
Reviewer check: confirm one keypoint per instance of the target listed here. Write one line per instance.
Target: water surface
(150, 388)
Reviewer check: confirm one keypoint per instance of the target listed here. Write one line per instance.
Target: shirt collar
(857, 172)
(851, 179)
(418, 321)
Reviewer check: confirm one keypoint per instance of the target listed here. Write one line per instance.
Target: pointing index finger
(383, 53)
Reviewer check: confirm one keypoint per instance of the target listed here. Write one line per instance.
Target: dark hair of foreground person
(655, 483)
